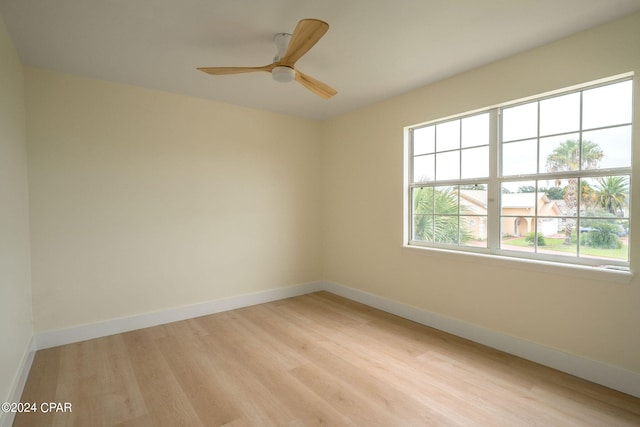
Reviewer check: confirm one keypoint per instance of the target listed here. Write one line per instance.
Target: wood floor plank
(166, 402)
(291, 402)
(40, 387)
(200, 379)
(96, 374)
(317, 359)
(375, 363)
(345, 378)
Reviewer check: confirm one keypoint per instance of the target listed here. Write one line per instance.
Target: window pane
(607, 105)
(475, 130)
(424, 140)
(422, 203)
(519, 157)
(553, 190)
(514, 232)
(473, 231)
(559, 153)
(549, 228)
(422, 200)
(570, 194)
(475, 162)
(560, 114)
(473, 223)
(550, 241)
(448, 135)
(518, 198)
(560, 201)
(424, 168)
(473, 199)
(517, 205)
(553, 216)
(604, 239)
(445, 229)
(607, 148)
(606, 196)
(448, 165)
(520, 122)
(445, 200)
(423, 228)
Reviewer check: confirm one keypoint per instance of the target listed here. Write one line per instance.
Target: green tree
(571, 155)
(587, 194)
(554, 193)
(527, 189)
(611, 193)
(436, 217)
(567, 156)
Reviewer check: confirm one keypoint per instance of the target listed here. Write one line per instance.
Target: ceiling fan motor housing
(281, 41)
(283, 74)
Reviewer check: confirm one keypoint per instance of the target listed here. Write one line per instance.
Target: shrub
(531, 238)
(603, 235)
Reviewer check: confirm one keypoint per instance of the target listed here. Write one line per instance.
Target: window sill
(583, 272)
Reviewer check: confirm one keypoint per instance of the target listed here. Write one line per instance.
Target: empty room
(306, 212)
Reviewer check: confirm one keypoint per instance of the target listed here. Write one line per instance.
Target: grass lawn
(557, 245)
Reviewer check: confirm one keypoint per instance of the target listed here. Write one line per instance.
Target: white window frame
(495, 180)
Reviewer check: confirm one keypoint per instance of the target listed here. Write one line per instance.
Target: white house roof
(519, 200)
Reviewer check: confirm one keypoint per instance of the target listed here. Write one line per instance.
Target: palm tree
(566, 156)
(436, 217)
(587, 194)
(572, 155)
(612, 193)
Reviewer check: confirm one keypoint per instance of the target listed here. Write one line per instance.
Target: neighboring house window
(544, 179)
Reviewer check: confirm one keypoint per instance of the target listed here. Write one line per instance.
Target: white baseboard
(598, 372)
(73, 334)
(6, 418)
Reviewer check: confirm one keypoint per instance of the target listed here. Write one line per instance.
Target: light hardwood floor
(318, 359)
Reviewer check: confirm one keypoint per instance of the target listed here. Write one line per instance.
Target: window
(545, 179)
(451, 165)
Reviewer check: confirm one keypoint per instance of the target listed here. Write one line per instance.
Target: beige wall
(143, 200)
(363, 209)
(15, 282)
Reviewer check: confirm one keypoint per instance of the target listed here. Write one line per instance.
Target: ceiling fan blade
(219, 71)
(316, 86)
(305, 36)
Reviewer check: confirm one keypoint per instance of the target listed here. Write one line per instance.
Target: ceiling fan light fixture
(283, 74)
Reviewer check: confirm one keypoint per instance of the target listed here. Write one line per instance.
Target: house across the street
(517, 213)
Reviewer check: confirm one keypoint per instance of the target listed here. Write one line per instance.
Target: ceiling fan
(291, 47)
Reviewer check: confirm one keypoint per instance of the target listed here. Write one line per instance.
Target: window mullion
(493, 196)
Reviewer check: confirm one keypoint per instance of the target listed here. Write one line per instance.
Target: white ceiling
(374, 49)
